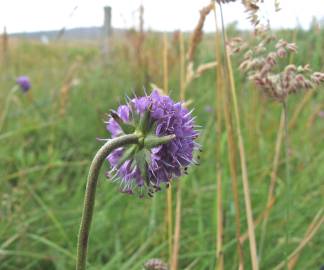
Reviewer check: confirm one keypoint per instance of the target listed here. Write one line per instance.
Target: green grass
(44, 158)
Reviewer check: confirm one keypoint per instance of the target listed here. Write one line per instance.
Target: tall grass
(44, 160)
(169, 212)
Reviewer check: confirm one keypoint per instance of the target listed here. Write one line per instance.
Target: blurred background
(82, 59)
(37, 15)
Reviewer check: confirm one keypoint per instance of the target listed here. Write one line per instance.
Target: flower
(321, 114)
(155, 264)
(166, 147)
(24, 83)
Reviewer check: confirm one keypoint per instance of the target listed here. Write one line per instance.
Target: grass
(45, 157)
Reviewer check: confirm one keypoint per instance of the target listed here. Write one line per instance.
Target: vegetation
(49, 138)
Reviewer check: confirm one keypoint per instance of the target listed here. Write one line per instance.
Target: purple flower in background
(24, 83)
(168, 144)
(321, 114)
(208, 109)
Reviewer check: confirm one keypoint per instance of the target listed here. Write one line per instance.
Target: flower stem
(89, 199)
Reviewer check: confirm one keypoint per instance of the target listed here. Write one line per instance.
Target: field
(48, 140)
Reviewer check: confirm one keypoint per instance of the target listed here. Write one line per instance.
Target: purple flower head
(168, 143)
(24, 83)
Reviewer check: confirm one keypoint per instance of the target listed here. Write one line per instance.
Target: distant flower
(155, 264)
(24, 83)
(167, 148)
(208, 109)
(321, 114)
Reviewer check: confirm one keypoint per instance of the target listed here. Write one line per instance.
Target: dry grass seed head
(278, 84)
(198, 32)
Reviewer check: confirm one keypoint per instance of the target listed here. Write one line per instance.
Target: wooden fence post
(107, 29)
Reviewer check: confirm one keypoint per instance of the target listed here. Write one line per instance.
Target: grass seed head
(263, 67)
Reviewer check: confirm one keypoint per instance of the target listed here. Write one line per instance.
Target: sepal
(151, 141)
(126, 128)
(127, 155)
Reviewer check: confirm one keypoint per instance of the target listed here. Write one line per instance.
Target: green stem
(38, 109)
(90, 193)
(288, 185)
(6, 107)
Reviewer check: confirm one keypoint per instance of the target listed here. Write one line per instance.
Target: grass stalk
(282, 126)
(295, 116)
(177, 229)
(311, 230)
(169, 220)
(220, 219)
(312, 118)
(165, 64)
(6, 106)
(257, 221)
(224, 103)
(245, 180)
(315, 226)
(182, 67)
(273, 182)
(219, 105)
(66, 86)
(287, 181)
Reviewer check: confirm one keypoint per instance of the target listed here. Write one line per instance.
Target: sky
(164, 15)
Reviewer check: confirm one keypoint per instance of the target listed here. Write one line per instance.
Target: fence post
(107, 29)
(4, 47)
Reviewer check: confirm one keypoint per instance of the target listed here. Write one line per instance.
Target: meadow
(49, 137)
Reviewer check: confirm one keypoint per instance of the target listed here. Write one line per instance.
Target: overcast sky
(35, 15)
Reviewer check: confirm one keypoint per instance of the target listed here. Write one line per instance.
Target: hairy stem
(89, 199)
